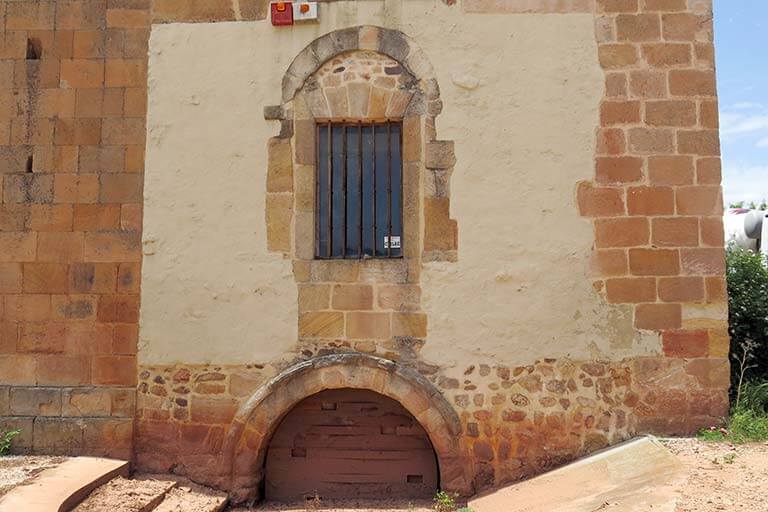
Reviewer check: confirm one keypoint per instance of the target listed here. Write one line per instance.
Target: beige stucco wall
(524, 136)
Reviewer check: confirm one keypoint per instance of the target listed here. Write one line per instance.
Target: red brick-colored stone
(690, 82)
(115, 370)
(611, 141)
(654, 262)
(638, 27)
(680, 343)
(650, 201)
(675, 232)
(681, 289)
(609, 262)
(699, 200)
(658, 316)
(671, 170)
(708, 171)
(614, 56)
(712, 231)
(609, 171)
(621, 232)
(619, 112)
(667, 54)
(45, 278)
(670, 113)
(631, 290)
(599, 201)
(699, 142)
(86, 73)
(707, 262)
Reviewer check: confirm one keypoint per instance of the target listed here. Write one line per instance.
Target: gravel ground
(342, 506)
(17, 470)
(722, 476)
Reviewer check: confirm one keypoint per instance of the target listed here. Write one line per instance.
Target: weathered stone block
(352, 297)
(409, 324)
(314, 297)
(321, 324)
(440, 231)
(58, 436)
(305, 141)
(210, 410)
(439, 155)
(280, 165)
(108, 437)
(278, 216)
(368, 325)
(399, 297)
(86, 402)
(35, 401)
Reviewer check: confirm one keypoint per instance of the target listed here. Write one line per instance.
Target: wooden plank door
(350, 443)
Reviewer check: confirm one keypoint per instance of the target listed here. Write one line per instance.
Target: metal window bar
(347, 214)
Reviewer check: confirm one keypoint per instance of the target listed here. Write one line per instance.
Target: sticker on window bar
(395, 242)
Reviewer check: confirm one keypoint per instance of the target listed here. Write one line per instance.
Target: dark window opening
(359, 190)
(34, 49)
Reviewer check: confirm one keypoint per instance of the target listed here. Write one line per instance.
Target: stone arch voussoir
(392, 43)
(248, 438)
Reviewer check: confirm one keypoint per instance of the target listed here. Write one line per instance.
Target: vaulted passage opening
(350, 443)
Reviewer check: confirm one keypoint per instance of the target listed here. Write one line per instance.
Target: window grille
(359, 183)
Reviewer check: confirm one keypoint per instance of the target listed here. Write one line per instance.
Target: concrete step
(636, 476)
(141, 494)
(59, 489)
(190, 497)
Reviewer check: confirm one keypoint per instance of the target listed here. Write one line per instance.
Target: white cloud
(746, 105)
(745, 183)
(762, 143)
(737, 124)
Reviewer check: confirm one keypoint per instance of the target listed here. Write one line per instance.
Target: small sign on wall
(281, 13)
(287, 13)
(305, 11)
(392, 242)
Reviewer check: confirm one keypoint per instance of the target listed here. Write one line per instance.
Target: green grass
(748, 422)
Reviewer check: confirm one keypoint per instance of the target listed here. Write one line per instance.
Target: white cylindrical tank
(747, 228)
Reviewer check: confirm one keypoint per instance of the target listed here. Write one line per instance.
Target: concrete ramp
(61, 488)
(636, 476)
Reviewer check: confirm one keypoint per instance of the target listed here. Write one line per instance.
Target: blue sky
(741, 43)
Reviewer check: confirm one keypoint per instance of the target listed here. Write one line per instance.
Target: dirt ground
(342, 506)
(722, 476)
(126, 495)
(18, 470)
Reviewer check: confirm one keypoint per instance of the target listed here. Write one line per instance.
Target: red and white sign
(281, 13)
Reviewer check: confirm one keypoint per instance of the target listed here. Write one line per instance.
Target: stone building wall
(72, 117)
(563, 283)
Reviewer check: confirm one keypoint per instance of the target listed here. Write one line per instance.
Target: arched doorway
(244, 451)
(350, 443)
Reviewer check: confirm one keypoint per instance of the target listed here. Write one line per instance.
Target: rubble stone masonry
(74, 128)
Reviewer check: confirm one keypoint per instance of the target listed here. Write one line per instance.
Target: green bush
(6, 436)
(747, 278)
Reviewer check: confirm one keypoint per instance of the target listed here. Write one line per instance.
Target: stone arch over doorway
(248, 439)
